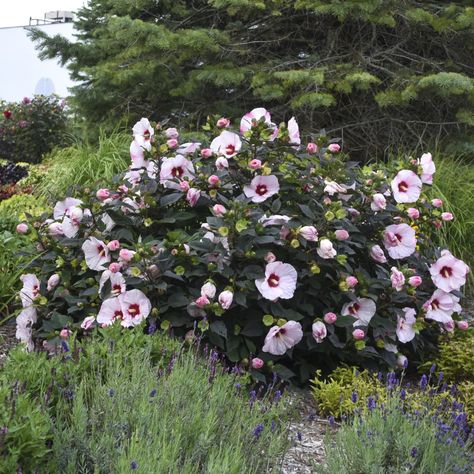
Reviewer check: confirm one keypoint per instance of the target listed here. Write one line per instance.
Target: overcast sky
(18, 12)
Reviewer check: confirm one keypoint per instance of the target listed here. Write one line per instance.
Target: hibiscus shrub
(31, 128)
(286, 256)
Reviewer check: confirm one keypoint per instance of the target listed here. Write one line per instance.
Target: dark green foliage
(31, 128)
(381, 73)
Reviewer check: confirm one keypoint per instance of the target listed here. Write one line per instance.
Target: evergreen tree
(383, 73)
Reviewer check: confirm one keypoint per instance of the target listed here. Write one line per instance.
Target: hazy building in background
(23, 74)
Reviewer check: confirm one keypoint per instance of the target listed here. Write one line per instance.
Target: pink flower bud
(402, 362)
(257, 363)
(53, 281)
(334, 148)
(192, 196)
(65, 333)
(126, 254)
(415, 280)
(358, 334)
(255, 164)
(351, 281)
(342, 234)
(103, 194)
(222, 163)
(115, 267)
(206, 152)
(202, 301)
(330, 318)
(208, 290)
(438, 224)
(312, 148)
(219, 210)
(270, 257)
(437, 202)
(184, 186)
(447, 216)
(223, 122)
(449, 326)
(213, 180)
(225, 299)
(413, 213)
(327, 200)
(22, 228)
(463, 325)
(309, 232)
(88, 322)
(171, 133)
(172, 143)
(113, 245)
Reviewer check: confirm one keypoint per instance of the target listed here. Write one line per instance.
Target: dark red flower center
(402, 187)
(446, 272)
(118, 314)
(101, 250)
(230, 149)
(146, 134)
(134, 310)
(35, 291)
(177, 172)
(261, 189)
(273, 280)
(435, 304)
(116, 288)
(281, 332)
(354, 308)
(398, 237)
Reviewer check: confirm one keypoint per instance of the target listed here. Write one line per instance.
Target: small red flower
(7, 114)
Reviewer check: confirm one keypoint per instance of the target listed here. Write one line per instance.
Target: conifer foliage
(377, 72)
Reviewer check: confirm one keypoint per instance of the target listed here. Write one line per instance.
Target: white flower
(363, 309)
(227, 144)
(30, 290)
(262, 187)
(208, 290)
(319, 331)
(96, 253)
(280, 339)
(326, 249)
(225, 299)
(405, 331)
(279, 282)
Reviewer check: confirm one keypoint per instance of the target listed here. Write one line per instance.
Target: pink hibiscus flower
(399, 240)
(227, 144)
(252, 117)
(135, 307)
(117, 282)
(441, 306)
(143, 133)
(63, 208)
(448, 273)
(279, 282)
(137, 154)
(280, 339)
(429, 168)
(110, 310)
(406, 186)
(30, 290)
(176, 168)
(262, 187)
(363, 309)
(319, 331)
(96, 254)
(405, 331)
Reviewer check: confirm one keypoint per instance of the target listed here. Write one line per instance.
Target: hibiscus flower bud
(334, 148)
(415, 280)
(413, 213)
(463, 325)
(225, 299)
(219, 210)
(103, 194)
(447, 216)
(208, 290)
(351, 281)
(213, 180)
(113, 245)
(223, 122)
(65, 333)
(270, 257)
(326, 249)
(172, 143)
(437, 202)
(222, 163)
(192, 196)
(309, 233)
(319, 331)
(377, 254)
(115, 267)
(257, 363)
(184, 186)
(206, 152)
(402, 362)
(171, 133)
(88, 322)
(53, 281)
(449, 326)
(358, 334)
(126, 254)
(341, 234)
(7, 114)
(330, 318)
(202, 301)
(255, 164)
(22, 228)
(312, 148)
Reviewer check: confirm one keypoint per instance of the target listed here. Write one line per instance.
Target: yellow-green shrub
(18, 208)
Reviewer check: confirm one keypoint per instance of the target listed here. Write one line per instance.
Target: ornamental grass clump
(273, 248)
(395, 435)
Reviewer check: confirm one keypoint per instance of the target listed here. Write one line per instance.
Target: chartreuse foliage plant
(388, 436)
(284, 254)
(380, 73)
(125, 400)
(31, 128)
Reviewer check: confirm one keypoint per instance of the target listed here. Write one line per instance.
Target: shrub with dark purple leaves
(11, 173)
